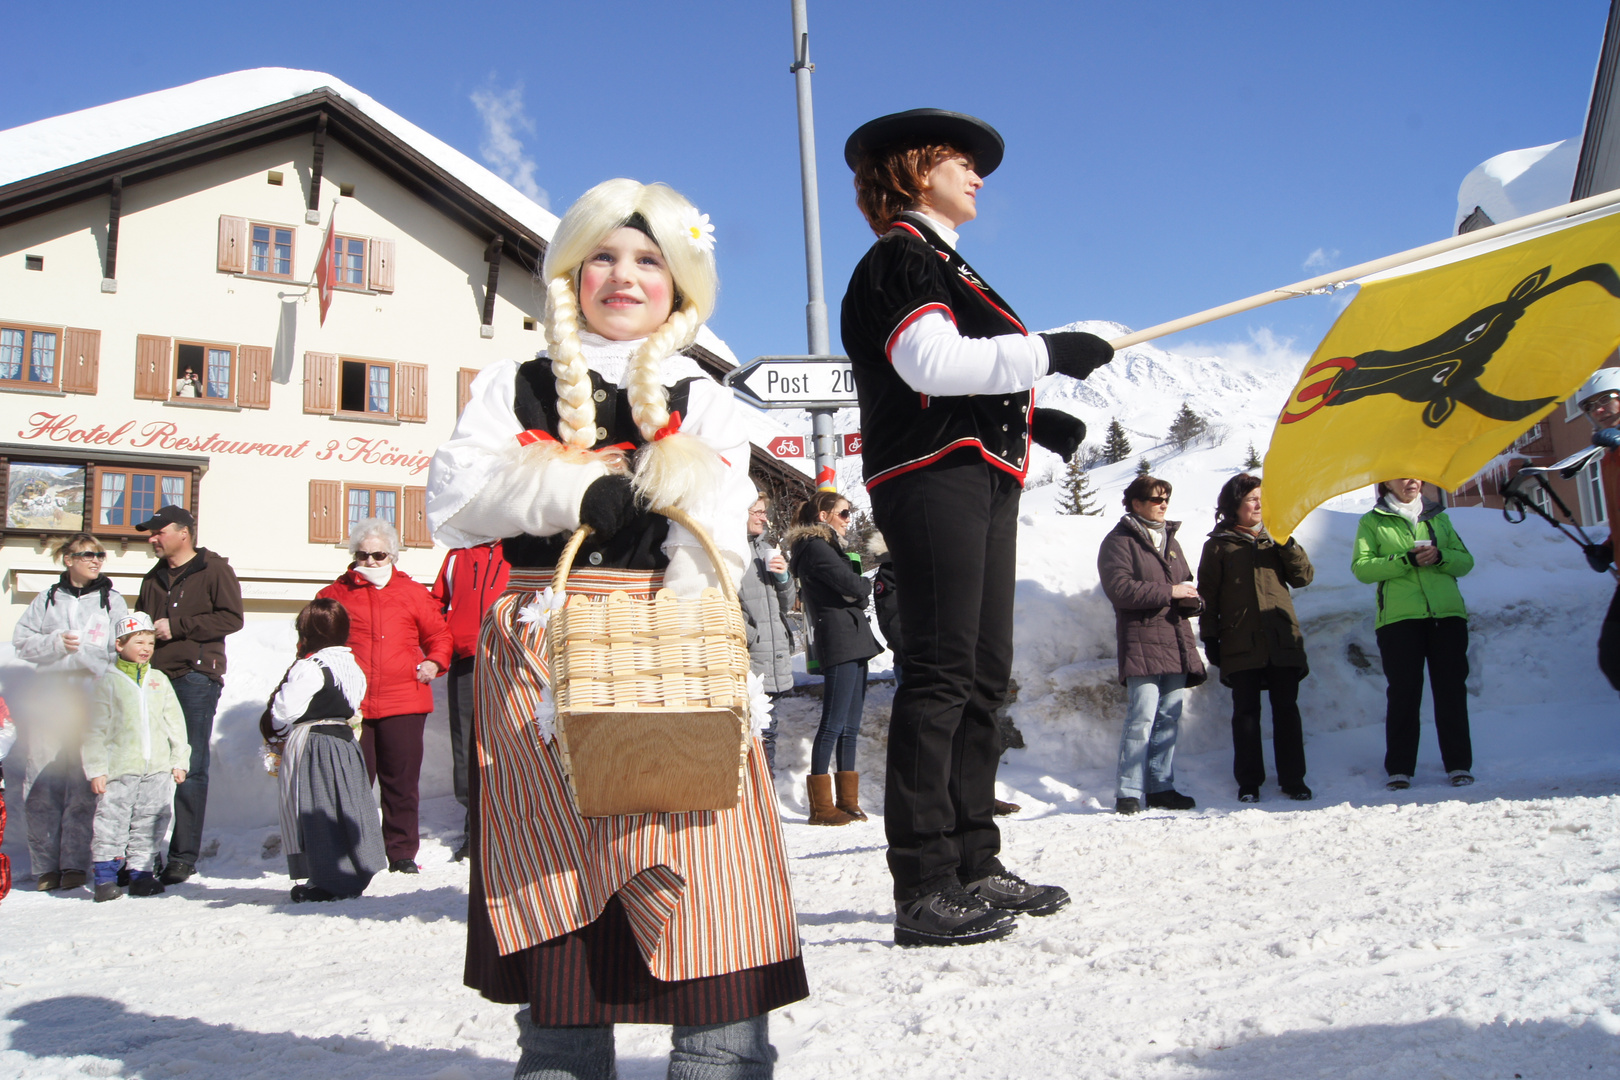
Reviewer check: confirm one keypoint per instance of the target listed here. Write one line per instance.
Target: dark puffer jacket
(834, 596)
(1248, 613)
(1153, 631)
(203, 602)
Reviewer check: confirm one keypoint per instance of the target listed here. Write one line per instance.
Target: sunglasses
(371, 556)
(88, 555)
(1157, 500)
(845, 514)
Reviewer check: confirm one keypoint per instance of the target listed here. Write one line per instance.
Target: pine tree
(1186, 427)
(1117, 447)
(1252, 461)
(1077, 493)
(1144, 467)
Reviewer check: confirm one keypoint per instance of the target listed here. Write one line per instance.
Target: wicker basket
(651, 696)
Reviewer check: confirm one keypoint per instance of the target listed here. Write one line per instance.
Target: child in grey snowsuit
(135, 751)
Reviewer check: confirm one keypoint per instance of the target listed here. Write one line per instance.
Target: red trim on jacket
(888, 346)
(909, 466)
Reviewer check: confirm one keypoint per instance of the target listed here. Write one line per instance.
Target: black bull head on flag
(1444, 371)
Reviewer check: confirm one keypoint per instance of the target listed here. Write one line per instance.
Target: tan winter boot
(849, 794)
(822, 810)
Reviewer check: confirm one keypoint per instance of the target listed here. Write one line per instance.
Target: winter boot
(107, 887)
(73, 879)
(50, 881)
(1170, 799)
(848, 785)
(144, 883)
(950, 916)
(108, 890)
(822, 809)
(1004, 890)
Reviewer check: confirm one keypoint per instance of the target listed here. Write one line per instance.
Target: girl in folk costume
(329, 828)
(683, 918)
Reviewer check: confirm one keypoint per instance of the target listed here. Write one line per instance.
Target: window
(366, 502)
(28, 356)
(271, 250)
(125, 498)
(33, 262)
(366, 387)
(349, 262)
(1589, 481)
(204, 372)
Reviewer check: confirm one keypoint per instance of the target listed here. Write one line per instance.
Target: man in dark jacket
(1147, 579)
(468, 583)
(195, 601)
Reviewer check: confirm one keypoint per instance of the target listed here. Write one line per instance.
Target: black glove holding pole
(1076, 354)
(608, 505)
(1057, 431)
(1598, 556)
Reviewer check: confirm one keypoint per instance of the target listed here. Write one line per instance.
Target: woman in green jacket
(1409, 549)
(1251, 633)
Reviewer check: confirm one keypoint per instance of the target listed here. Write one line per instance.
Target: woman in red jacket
(401, 642)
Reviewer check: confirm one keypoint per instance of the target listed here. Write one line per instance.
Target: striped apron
(705, 893)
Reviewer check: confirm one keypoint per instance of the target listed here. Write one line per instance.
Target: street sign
(852, 444)
(796, 382)
(786, 446)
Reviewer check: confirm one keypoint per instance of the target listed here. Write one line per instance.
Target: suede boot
(822, 809)
(848, 785)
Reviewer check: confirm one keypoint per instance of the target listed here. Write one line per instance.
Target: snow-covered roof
(60, 141)
(1520, 182)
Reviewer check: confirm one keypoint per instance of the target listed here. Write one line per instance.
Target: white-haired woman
(680, 919)
(67, 633)
(400, 640)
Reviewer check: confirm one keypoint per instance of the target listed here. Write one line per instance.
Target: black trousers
(1609, 642)
(459, 696)
(1287, 738)
(953, 532)
(1405, 647)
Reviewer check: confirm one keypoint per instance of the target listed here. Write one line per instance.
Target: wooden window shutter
(253, 377)
(464, 381)
(413, 526)
(152, 367)
(326, 517)
(320, 382)
(233, 244)
(81, 360)
(382, 265)
(413, 392)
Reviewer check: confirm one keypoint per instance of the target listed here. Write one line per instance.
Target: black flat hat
(920, 127)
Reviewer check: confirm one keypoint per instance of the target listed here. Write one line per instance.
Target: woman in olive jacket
(1251, 633)
(1408, 547)
(835, 597)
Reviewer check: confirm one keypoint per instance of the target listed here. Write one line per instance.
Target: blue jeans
(1147, 746)
(199, 697)
(740, 1050)
(843, 696)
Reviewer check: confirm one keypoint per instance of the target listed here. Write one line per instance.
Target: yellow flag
(1433, 374)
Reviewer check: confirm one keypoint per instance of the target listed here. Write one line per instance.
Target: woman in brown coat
(1251, 633)
(1147, 579)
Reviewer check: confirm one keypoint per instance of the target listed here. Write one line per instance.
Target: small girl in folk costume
(682, 918)
(330, 832)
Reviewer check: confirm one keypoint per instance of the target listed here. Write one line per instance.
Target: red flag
(323, 265)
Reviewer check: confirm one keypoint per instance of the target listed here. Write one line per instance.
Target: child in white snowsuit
(134, 753)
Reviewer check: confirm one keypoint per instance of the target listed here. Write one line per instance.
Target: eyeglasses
(1592, 404)
(371, 556)
(88, 555)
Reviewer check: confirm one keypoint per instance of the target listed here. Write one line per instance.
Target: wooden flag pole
(1340, 277)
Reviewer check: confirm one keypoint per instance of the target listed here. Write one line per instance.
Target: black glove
(1212, 650)
(1597, 557)
(1608, 438)
(1077, 354)
(1058, 432)
(608, 506)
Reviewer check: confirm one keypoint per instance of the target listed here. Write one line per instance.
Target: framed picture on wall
(47, 498)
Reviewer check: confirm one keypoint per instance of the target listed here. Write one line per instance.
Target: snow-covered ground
(1433, 933)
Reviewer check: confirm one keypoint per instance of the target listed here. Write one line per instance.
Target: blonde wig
(672, 469)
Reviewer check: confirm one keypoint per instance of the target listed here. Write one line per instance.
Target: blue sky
(1163, 157)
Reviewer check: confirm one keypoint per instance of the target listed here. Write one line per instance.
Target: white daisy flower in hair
(699, 233)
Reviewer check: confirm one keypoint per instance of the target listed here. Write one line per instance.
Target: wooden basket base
(653, 762)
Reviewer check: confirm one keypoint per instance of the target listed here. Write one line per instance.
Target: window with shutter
(464, 381)
(382, 265)
(413, 526)
(30, 356)
(232, 244)
(81, 360)
(152, 367)
(326, 521)
(320, 383)
(413, 396)
(253, 377)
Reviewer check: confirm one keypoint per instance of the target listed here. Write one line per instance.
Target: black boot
(1170, 800)
(1006, 891)
(949, 916)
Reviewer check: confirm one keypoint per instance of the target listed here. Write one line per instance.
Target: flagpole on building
(1340, 278)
